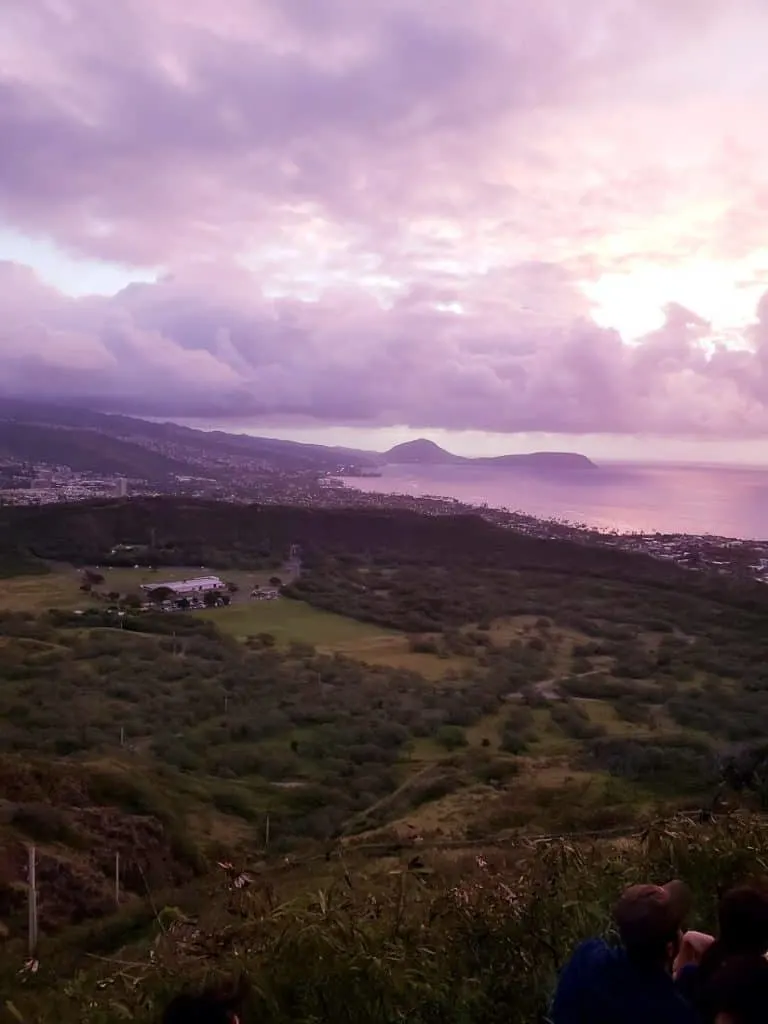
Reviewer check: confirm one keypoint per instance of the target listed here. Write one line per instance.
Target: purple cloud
(172, 349)
(490, 216)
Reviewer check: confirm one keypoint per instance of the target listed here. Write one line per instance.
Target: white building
(185, 588)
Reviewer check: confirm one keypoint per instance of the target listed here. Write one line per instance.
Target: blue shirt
(600, 985)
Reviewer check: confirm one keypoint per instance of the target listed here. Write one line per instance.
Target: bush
(451, 737)
(45, 824)
(236, 801)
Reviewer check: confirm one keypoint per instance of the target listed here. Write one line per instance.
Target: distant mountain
(96, 442)
(540, 460)
(422, 452)
(84, 451)
(427, 453)
(89, 441)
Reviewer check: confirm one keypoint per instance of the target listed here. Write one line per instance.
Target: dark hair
(743, 920)
(739, 988)
(742, 928)
(651, 952)
(211, 1006)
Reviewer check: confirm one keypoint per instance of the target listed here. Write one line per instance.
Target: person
(737, 992)
(742, 930)
(211, 1006)
(631, 983)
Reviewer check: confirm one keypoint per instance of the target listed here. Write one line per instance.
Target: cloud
(394, 211)
(153, 129)
(170, 348)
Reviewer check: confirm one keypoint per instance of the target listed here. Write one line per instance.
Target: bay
(725, 501)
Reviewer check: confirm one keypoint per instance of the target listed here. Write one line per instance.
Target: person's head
(211, 1006)
(742, 928)
(650, 922)
(738, 991)
(743, 920)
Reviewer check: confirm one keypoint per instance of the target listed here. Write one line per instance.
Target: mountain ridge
(92, 441)
(425, 452)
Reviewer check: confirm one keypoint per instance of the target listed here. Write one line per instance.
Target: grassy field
(287, 620)
(39, 593)
(393, 649)
(292, 621)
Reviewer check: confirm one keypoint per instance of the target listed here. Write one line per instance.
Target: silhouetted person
(631, 983)
(742, 930)
(737, 993)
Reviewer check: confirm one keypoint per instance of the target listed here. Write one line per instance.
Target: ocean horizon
(720, 500)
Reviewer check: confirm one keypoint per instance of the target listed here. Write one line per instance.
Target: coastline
(743, 557)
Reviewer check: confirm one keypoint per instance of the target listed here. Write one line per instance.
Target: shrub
(452, 737)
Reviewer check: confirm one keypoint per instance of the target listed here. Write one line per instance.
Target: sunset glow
(504, 219)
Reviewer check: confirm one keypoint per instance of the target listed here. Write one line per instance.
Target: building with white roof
(185, 587)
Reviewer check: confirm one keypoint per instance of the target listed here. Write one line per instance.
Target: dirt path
(547, 687)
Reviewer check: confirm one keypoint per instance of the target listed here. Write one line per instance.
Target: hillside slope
(86, 531)
(473, 938)
(85, 450)
(95, 441)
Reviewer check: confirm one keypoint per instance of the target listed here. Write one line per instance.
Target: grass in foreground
(456, 939)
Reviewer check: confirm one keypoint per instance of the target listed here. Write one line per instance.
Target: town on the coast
(41, 484)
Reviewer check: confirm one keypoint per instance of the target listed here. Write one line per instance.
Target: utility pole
(122, 736)
(117, 879)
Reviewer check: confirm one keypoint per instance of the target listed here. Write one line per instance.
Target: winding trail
(546, 688)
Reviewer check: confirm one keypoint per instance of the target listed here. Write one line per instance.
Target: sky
(501, 225)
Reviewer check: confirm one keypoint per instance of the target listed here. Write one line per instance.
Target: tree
(113, 596)
(512, 742)
(94, 578)
(275, 581)
(451, 737)
(160, 594)
(232, 587)
(132, 601)
(210, 599)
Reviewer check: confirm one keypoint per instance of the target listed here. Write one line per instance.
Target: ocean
(724, 501)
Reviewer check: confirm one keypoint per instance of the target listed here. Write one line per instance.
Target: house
(188, 588)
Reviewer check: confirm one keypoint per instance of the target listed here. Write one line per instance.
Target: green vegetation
(294, 621)
(467, 939)
(84, 450)
(40, 591)
(433, 678)
(95, 442)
